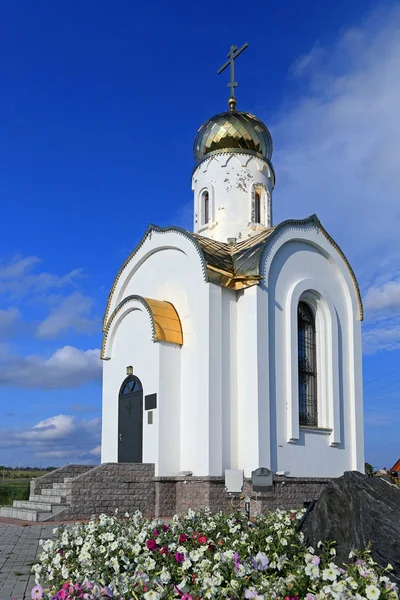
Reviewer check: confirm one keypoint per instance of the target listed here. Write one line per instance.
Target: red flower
(183, 538)
(165, 527)
(151, 544)
(164, 550)
(156, 533)
(202, 539)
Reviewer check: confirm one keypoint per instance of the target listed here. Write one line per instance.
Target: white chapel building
(237, 345)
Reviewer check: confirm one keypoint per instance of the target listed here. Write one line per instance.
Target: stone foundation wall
(199, 492)
(131, 486)
(124, 486)
(57, 476)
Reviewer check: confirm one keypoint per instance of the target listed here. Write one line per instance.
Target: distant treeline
(4, 468)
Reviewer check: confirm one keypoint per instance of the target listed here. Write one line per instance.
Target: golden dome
(233, 131)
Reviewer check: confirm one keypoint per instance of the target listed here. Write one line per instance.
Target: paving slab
(19, 545)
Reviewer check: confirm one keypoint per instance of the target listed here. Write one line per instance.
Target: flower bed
(202, 555)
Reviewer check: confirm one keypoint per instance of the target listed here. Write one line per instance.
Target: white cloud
(18, 277)
(68, 367)
(72, 312)
(381, 337)
(385, 298)
(63, 438)
(337, 153)
(96, 451)
(10, 321)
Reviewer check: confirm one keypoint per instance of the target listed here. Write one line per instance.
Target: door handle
(120, 437)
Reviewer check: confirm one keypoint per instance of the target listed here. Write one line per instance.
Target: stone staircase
(40, 507)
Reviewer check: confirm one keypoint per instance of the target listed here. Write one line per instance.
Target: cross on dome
(233, 54)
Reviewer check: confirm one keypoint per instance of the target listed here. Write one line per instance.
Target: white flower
(352, 583)
(372, 592)
(329, 574)
(186, 564)
(165, 575)
(152, 595)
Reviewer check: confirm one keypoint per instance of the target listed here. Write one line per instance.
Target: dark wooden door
(130, 421)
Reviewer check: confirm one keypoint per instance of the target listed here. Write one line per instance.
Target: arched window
(257, 204)
(308, 407)
(131, 386)
(205, 207)
(257, 207)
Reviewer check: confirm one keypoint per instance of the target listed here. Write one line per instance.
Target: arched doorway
(130, 421)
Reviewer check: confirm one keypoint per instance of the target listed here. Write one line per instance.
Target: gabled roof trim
(314, 219)
(150, 230)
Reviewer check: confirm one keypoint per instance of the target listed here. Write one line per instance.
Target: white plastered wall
(230, 180)
(301, 264)
(131, 344)
(168, 267)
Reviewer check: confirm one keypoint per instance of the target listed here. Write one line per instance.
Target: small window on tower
(257, 207)
(205, 202)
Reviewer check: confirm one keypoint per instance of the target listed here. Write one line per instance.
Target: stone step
(60, 486)
(52, 492)
(25, 514)
(47, 499)
(40, 506)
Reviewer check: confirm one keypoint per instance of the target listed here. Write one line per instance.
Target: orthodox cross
(233, 54)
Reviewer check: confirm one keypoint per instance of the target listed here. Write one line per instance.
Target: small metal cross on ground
(233, 54)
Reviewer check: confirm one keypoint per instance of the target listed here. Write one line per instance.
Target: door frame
(135, 396)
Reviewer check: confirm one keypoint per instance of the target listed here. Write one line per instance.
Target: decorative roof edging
(314, 219)
(239, 151)
(150, 230)
(216, 275)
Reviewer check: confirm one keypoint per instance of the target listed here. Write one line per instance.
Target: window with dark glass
(257, 207)
(308, 408)
(206, 207)
(131, 386)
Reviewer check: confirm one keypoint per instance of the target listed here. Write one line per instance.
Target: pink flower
(187, 597)
(183, 538)
(37, 592)
(202, 539)
(315, 560)
(151, 544)
(164, 550)
(165, 527)
(62, 594)
(156, 533)
(179, 557)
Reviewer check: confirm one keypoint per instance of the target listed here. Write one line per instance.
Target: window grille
(308, 407)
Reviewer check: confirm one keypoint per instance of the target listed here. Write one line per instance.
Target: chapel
(236, 345)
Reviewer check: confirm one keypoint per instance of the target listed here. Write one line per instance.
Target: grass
(12, 474)
(13, 491)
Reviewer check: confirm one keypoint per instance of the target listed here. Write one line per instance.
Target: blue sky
(99, 106)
